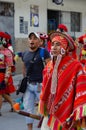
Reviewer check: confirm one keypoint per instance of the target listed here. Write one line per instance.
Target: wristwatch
(58, 2)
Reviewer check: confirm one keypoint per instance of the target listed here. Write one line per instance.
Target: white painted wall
(22, 8)
(72, 5)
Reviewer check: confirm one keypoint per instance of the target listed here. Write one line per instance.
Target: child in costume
(63, 95)
(6, 63)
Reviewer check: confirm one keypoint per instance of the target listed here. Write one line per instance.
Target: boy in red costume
(63, 95)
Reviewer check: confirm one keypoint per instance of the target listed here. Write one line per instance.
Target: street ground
(12, 120)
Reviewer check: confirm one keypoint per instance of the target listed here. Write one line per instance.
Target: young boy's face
(57, 46)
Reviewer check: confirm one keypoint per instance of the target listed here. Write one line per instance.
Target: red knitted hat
(5, 35)
(2, 34)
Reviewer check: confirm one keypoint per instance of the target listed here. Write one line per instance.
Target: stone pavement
(12, 120)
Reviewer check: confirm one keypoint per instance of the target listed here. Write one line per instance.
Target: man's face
(41, 43)
(33, 42)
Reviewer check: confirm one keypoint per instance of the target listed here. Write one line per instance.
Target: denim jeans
(30, 96)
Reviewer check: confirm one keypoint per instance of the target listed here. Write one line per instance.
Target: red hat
(2, 40)
(5, 35)
(2, 34)
(43, 35)
(67, 37)
(62, 26)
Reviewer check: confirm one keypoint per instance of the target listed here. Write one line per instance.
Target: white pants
(44, 124)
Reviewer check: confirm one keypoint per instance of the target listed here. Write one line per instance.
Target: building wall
(21, 44)
(22, 8)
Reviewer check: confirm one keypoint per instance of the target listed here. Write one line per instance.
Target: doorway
(54, 18)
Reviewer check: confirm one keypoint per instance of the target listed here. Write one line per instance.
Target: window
(6, 9)
(75, 22)
(21, 22)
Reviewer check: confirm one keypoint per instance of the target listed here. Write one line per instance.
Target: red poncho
(70, 96)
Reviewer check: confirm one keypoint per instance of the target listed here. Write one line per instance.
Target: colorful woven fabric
(70, 93)
(6, 62)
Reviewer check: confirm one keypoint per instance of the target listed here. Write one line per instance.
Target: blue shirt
(37, 67)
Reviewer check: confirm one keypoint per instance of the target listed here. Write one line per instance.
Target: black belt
(2, 70)
(34, 83)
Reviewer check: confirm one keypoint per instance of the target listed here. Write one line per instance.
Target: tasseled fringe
(78, 128)
(80, 112)
(42, 108)
(54, 124)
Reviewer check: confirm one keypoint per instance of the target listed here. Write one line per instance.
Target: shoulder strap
(42, 50)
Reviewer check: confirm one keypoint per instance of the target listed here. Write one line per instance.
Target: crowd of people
(56, 78)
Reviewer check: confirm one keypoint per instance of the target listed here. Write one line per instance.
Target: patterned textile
(70, 94)
(10, 88)
(5, 58)
(6, 62)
